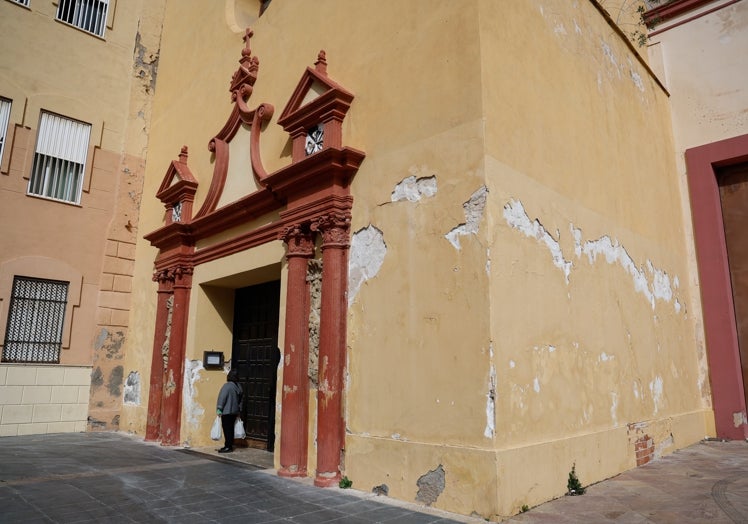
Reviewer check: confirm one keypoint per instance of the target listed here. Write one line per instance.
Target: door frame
(723, 352)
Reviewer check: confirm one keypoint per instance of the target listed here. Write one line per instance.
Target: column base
(292, 472)
(326, 480)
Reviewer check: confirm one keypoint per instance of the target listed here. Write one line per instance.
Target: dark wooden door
(733, 189)
(255, 355)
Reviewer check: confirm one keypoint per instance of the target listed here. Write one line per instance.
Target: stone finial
(321, 64)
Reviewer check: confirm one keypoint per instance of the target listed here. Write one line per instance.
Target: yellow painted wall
(470, 347)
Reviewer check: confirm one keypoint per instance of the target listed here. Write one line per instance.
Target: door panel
(733, 190)
(255, 355)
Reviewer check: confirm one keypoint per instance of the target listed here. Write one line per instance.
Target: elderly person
(229, 406)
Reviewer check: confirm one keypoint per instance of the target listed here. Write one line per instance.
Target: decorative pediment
(177, 190)
(314, 114)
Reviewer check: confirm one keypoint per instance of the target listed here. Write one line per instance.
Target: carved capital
(171, 274)
(335, 229)
(300, 241)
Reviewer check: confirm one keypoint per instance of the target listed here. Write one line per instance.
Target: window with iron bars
(22, 2)
(4, 118)
(60, 158)
(89, 15)
(36, 315)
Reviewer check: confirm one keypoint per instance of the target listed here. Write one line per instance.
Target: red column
(160, 340)
(171, 414)
(295, 407)
(332, 340)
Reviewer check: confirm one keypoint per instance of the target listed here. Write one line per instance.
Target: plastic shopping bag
(239, 429)
(215, 430)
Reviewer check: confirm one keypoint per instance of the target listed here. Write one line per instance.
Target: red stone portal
(312, 195)
(723, 350)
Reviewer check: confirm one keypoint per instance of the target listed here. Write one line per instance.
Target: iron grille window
(4, 118)
(60, 158)
(35, 319)
(22, 2)
(89, 15)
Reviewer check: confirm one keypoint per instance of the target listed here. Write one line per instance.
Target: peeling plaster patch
(398, 436)
(637, 393)
(677, 306)
(655, 387)
(366, 257)
(536, 385)
(414, 189)
(614, 252)
(739, 418)
(608, 52)
(662, 446)
(132, 389)
(577, 29)
(194, 411)
(559, 29)
(488, 261)
(431, 485)
(490, 430)
(512, 364)
(614, 408)
(637, 79)
(516, 217)
(473, 214)
(551, 349)
(604, 357)
(115, 381)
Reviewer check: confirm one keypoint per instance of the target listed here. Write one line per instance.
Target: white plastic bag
(215, 430)
(239, 429)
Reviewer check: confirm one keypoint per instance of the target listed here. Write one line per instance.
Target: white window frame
(5, 105)
(87, 15)
(60, 158)
(24, 3)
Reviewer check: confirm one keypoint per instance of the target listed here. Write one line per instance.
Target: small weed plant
(573, 485)
(345, 483)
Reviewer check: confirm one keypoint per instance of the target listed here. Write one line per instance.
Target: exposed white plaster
(491, 403)
(677, 306)
(194, 411)
(398, 436)
(559, 29)
(663, 445)
(608, 52)
(637, 79)
(414, 189)
(739, 418)
(614, 408)
(131, 395)
(615, 253)
(488, 261)
(551, 349)
(577, 29)
(637, 393)
(655, 387)
(366, 256)
(604, 357)
(473, 214)
(512, 364)
(516, 216)
(536, 385)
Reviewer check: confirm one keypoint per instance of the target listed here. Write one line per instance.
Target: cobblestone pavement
(113, 477)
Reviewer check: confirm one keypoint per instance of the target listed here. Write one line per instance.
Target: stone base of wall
(495, 483)
(36, 399)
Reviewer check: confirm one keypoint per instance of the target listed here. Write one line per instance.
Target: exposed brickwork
(644, 447)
